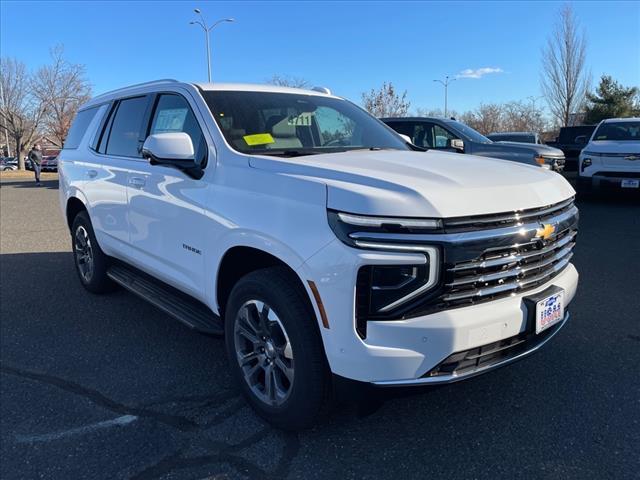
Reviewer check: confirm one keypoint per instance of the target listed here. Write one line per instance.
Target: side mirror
(581, 139)
(174, 149)
(406, 138)
(457, 144)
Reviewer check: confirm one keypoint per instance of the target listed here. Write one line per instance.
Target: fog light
(585, 163)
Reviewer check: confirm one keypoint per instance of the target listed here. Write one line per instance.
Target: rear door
(166, 206)
(115, 149)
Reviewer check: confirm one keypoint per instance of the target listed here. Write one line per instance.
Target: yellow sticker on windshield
(258, 139)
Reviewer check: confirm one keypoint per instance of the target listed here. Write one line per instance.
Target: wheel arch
(241, 260)
(73, 207)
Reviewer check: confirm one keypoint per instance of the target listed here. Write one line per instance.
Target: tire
(90, 261)
(291, 339)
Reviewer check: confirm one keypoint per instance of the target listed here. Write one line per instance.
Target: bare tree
(564, 78)
(386, 102)
(62, 88)
(435, 112)
(487, 118)
(522, 117)
(288, 81)
(21, 112)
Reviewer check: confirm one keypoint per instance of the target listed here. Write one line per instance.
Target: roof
(627, 119)
(250, 87)
(238, 87)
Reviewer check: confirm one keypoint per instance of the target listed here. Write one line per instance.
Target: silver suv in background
(451, 135)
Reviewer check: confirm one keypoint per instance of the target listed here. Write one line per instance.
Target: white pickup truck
(315, 239)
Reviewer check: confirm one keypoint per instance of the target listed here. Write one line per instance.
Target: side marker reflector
(316, 295)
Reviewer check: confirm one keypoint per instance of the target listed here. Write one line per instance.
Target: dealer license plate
(549, 311)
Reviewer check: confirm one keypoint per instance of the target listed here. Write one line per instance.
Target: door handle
(137, 182)
(92, 173)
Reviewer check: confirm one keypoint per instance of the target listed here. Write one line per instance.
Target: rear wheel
(275, 350)
(90, 261)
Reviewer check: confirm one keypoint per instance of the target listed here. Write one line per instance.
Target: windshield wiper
(284, 153)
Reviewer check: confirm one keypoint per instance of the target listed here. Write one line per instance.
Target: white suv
(315, 239)
(612, 157)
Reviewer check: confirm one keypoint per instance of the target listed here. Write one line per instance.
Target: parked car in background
(7, 164)
(453, 136)
(571, 140)
(50, 163)
(518, 137)
(612, 156)
(315, 238)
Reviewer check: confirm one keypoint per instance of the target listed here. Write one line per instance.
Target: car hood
(613, 146)
(423, 184)
(545, 150)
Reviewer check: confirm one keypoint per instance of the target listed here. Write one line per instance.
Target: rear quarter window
(79, 128)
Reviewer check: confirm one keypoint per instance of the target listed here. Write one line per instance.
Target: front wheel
(275, 350)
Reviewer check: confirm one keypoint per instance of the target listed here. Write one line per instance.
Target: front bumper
(401, 352)
(513, 350)
(608, 180)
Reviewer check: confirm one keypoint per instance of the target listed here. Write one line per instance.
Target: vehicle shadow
(45, 183)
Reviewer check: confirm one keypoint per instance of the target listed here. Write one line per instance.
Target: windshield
(272, 123)
(468, 132)
(619, 131)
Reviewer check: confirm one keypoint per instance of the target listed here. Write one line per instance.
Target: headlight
(545, 162)
(343, 224)
(383, 292)
(586, 162)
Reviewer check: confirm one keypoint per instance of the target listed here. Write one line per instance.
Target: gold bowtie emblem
(545, 231)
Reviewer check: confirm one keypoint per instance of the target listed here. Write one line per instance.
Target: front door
(166, 206)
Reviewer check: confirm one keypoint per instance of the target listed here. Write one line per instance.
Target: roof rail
(152, 82)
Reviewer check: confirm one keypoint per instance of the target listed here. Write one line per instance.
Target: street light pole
(203, 25)
(446, 83)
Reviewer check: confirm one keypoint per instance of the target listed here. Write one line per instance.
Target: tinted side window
(124, 137)
(404, 128)
(79, 127)
(173, 114)
(442, 137)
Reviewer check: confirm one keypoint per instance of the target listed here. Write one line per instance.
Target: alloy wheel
(264, 352)
(84, 253)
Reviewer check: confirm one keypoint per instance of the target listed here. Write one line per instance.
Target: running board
(189, 311)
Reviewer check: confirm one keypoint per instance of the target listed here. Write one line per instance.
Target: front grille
(502, 271)
(485, 258)
(479, 222)
(469, 361)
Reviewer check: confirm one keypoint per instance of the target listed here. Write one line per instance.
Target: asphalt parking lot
(110, 387)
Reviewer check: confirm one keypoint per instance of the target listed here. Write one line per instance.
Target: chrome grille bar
(510, 217)
(513, 286)
(512, 272)
(515, 257)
